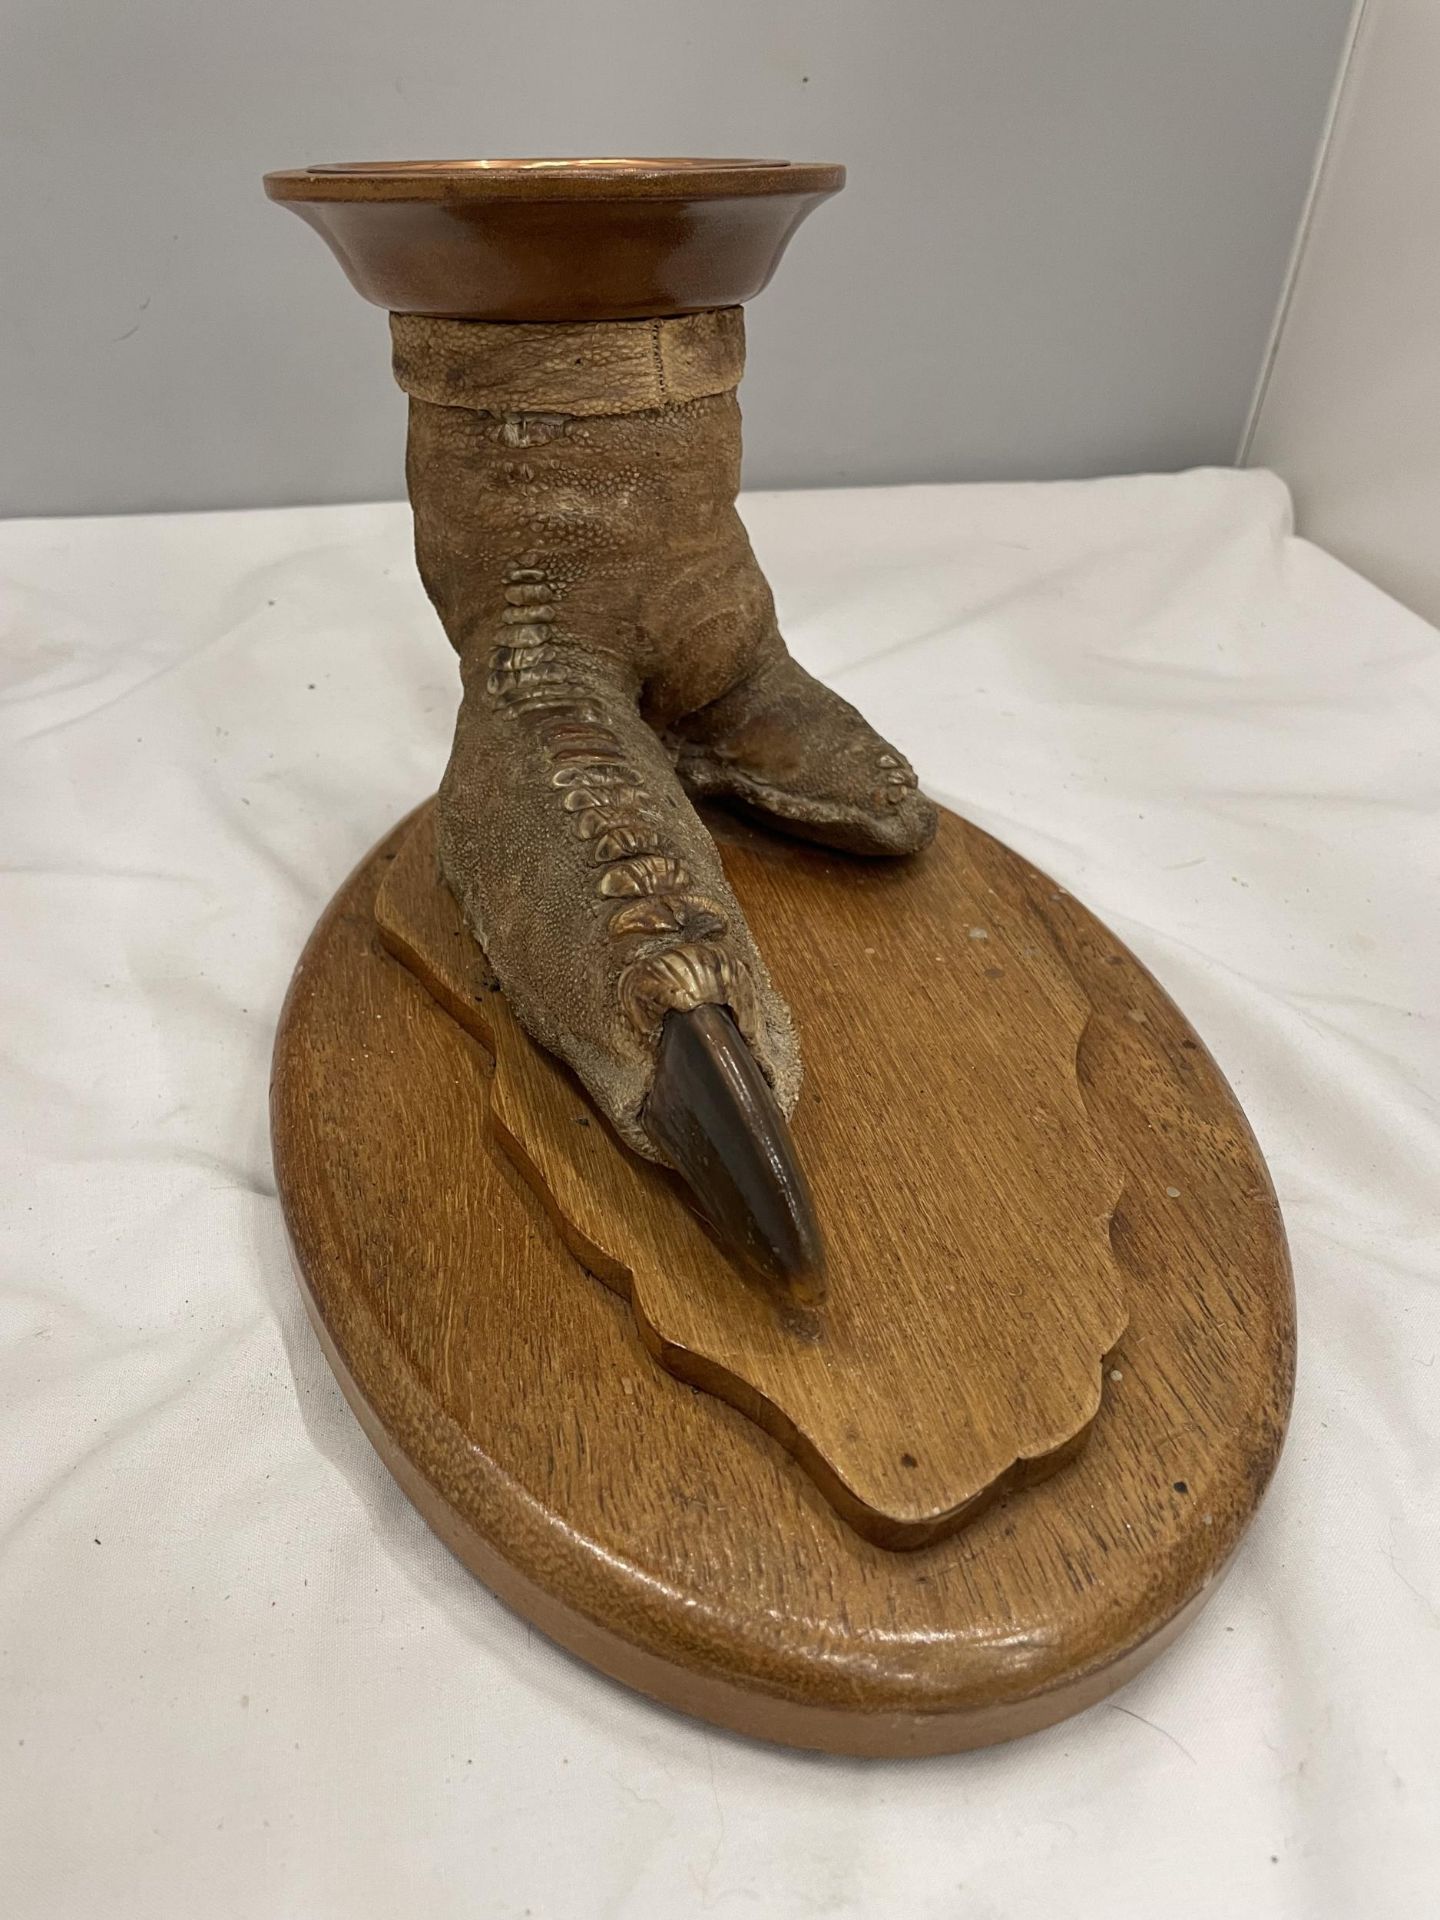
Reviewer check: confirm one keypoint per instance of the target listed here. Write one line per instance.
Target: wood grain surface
(659, 1532)
(964, 1191)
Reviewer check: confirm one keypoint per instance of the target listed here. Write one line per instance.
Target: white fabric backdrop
(237, 1675)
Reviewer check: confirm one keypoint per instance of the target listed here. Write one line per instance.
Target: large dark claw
(712, 1114)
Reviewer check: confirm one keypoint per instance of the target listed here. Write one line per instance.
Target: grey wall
(1350, 411)
(1066, 228)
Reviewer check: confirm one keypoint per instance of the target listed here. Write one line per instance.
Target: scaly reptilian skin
(574, 493)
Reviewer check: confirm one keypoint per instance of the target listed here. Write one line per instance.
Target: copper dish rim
(573, 178)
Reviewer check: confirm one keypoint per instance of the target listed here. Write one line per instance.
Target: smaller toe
(785, 746)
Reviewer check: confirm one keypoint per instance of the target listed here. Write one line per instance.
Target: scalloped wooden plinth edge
(970, 1304)
(664, 1536)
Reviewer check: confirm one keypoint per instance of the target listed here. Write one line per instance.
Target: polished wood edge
(579, 179)
(742, 1707)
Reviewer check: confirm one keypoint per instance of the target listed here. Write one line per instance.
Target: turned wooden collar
(541, 240)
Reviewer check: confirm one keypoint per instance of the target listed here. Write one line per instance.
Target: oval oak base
(656, 1531)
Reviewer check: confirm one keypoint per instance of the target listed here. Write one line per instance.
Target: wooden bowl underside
(538, 240)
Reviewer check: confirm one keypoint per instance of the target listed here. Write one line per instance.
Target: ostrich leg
(574, 493)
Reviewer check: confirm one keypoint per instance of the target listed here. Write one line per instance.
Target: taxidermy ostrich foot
(574, 492)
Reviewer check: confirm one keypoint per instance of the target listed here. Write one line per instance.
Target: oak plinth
(667, 1535)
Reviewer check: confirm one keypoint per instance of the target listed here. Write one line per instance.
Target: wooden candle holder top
(539, 240)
